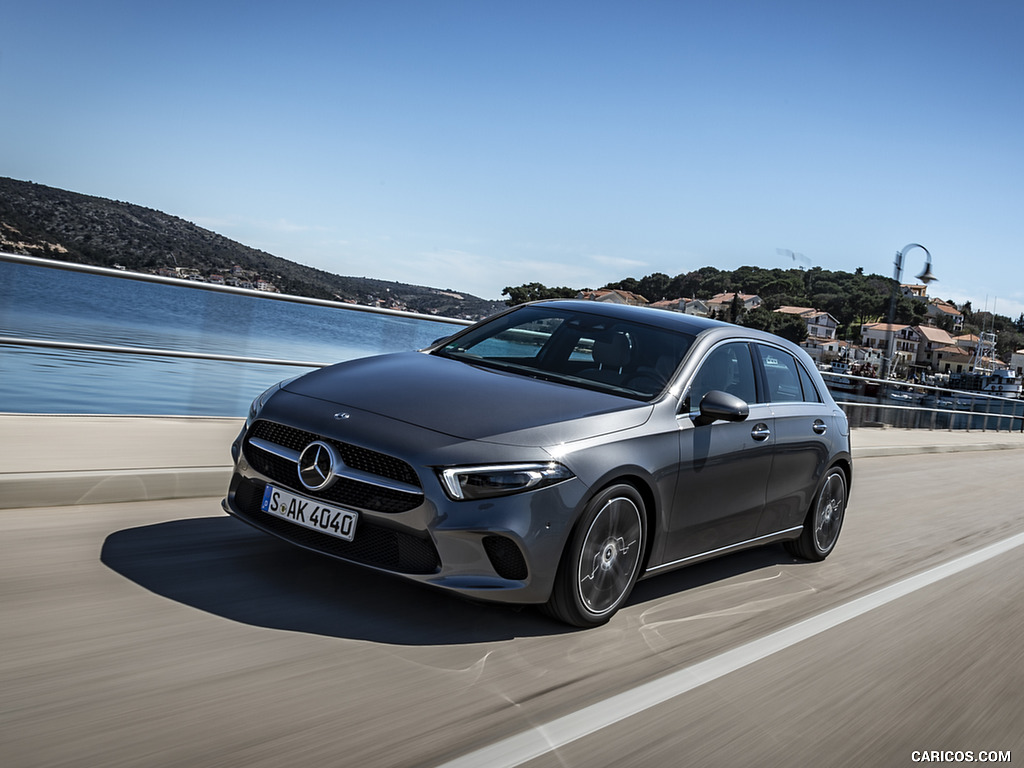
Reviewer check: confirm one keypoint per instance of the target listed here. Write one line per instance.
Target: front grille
(373, 544)
(347, 492)
(506, 558)
(354, 456)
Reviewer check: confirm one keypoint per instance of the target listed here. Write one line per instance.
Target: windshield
(577, 348)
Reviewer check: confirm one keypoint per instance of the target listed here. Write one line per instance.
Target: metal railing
(22, 341)
(879, 402)
(195, 355)
(891, 404)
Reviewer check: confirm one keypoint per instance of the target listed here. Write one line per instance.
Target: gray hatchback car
(552, 454)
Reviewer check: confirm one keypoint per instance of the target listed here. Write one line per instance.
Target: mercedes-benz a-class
(552, 454)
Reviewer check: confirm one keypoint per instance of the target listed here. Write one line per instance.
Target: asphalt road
(167, 634)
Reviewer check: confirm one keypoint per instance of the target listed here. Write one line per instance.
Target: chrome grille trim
(275, 449)
(341, 471)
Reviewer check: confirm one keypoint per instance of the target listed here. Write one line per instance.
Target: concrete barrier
(57, 460)
(54, 460)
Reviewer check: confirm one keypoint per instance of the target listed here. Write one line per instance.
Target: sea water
(59, 305)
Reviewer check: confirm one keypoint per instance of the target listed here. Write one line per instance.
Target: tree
(791, 327)
(910, 311)
(946, 323)
(655, 287)
(630, 284)
(787, 326)
(781, 288)
(1007, 343)
(521, 294)
(736, 308)
(702, 283)
(762, 319)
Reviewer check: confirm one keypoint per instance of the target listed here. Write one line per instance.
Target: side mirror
(717, 405)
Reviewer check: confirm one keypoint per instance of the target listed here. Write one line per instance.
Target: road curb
(61, 489)
(875, 451)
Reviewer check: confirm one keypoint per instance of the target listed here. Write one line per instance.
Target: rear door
(801, 425)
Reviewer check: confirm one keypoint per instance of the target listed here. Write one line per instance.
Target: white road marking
(548, 737)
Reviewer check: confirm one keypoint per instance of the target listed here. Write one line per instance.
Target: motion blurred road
(168, 634)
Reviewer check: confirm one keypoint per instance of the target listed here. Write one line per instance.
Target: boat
(1001, 382)
(984, 377)
(902, 396)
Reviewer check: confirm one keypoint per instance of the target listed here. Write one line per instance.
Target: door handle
(820, 427)
(760, 432)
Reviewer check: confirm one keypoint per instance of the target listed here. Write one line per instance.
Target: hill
(37, 220)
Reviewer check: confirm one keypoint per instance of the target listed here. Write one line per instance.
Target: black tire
(602, 560)
(824, 519)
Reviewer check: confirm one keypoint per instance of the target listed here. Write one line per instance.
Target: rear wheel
(824, 519)
(602, 560)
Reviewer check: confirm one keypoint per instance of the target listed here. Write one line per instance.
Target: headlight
(464, 483)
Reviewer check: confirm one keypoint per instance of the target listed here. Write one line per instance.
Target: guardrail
(879, 402)
(971, 410)
(20, 341)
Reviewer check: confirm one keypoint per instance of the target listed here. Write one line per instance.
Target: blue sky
(474, 145)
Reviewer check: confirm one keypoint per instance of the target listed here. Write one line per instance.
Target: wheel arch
(845, 463)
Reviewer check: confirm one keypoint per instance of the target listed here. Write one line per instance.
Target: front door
(724, 466)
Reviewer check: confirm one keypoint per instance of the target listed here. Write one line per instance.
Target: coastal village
(248, 279)
(237, 278)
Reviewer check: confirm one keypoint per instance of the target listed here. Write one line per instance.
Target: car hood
(471, 402)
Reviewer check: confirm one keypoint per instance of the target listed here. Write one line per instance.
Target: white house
(904, 338)
(930, 341)
(939, 310)
(724, 300)
(821, 326)
(1017, 362)
(686, 306)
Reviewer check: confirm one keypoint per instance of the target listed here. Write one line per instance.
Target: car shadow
(710, 572)
(223, 567)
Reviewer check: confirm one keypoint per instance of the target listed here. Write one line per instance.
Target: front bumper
(503, 549)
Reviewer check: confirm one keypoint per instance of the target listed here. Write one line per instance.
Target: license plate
(334, 521)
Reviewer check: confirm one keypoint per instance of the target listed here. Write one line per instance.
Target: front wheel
(824, 520)
(602, 560)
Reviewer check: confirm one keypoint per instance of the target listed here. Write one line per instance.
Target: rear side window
(782, 375)
(811, 394)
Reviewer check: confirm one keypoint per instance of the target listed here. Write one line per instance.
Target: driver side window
(728, 368)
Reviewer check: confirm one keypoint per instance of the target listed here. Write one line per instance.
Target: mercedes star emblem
(316, 465)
